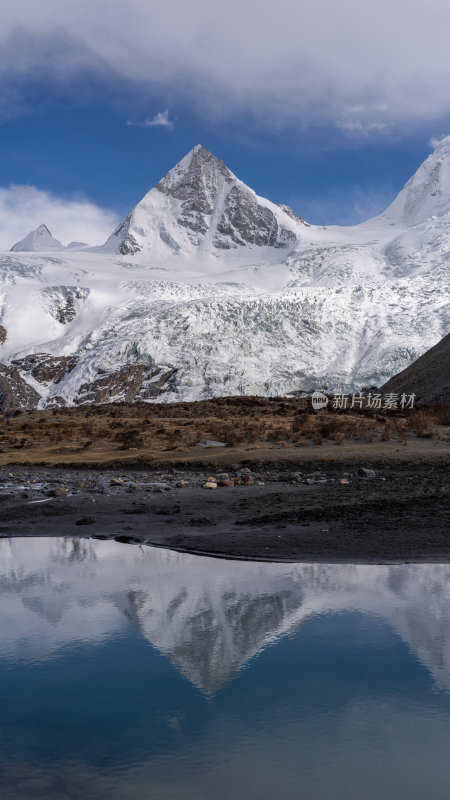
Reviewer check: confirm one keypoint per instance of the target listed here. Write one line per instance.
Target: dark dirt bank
(328, 513)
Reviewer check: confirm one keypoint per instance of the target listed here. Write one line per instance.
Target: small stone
(247, 480)
(60, 492)
(260, 483)
(116, 482)
(222, 476)
(244, 471)
(226, 482)
(210, 485)
(366, 473)
(344, 481)
(295, 476)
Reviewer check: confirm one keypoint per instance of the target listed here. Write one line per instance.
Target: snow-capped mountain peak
(200, 206)
(38, 240)
(206, 289)
(427, 193)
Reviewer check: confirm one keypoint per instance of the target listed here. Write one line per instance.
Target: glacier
(212, 290)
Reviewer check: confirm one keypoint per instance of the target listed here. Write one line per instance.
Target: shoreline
(324, 513)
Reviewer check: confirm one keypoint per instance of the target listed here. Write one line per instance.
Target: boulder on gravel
(365, 472)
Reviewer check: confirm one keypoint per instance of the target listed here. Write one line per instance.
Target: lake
(132, 672)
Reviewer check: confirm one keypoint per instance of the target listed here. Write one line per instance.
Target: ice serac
(39, 240)
(427, 193)
(201, 206)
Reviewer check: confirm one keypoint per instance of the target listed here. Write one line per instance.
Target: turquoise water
(129, 672)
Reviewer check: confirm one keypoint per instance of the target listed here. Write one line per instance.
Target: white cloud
(435, 140)
(23, 208)
(357, 122)
(301, 61)
(161, 119)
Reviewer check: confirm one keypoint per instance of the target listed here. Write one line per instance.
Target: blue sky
(328, 110)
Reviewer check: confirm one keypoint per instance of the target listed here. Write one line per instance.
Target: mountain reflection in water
(207, 616)
(134, 672)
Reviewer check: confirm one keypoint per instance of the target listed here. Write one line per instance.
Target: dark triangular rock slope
(428, 377)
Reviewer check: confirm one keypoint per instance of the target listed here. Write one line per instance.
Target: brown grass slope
(428, 377)
(256, 428)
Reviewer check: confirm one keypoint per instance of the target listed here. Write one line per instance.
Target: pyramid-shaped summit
(201, 207)
(38, 240)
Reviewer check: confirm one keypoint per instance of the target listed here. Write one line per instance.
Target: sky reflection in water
(130, 672)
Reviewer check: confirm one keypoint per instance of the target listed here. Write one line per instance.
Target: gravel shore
(339, 512)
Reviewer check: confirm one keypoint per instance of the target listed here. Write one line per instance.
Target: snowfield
(230, 294)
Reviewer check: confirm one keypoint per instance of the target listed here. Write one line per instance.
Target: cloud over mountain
(25, 207)
(363, 66)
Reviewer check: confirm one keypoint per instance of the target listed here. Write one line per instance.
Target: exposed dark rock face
(45, 368)
(56, 401)
(15, 392)
(3, 334)
(154, 381)
(68, 312)
(428, 377)
(288, 210)
(135, 382)
(63, 301)
(121, 385)
(244, 222)
(197, 188)
(129, 245)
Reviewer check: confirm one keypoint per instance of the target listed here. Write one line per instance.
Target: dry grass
(109, 432)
